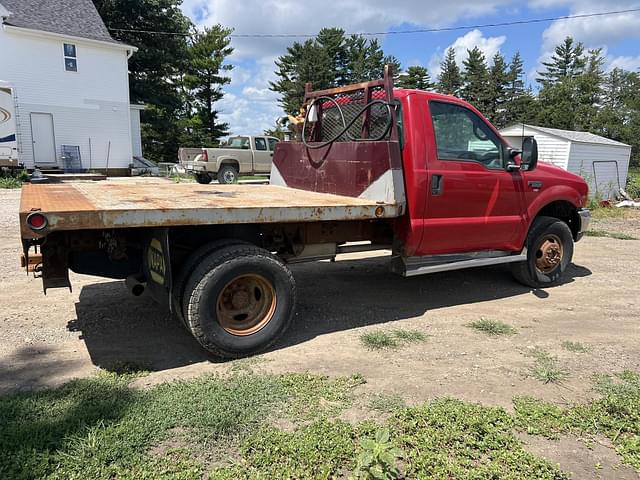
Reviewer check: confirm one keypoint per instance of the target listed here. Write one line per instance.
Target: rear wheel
(187, 268)
(239, 300)
(549, 252)
(228, 174)
(203, 178)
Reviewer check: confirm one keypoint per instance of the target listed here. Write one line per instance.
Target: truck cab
(467, 189)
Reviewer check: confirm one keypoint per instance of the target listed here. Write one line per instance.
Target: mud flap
(157, 266)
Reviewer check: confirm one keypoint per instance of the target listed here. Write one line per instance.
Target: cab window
(261, 144)
(238, 142)
(272, 143)
(461, 135)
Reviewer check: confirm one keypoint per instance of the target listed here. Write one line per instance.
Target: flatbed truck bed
(90, 206)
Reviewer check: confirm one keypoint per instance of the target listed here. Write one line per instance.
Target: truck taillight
(37, 221)
(205, 155)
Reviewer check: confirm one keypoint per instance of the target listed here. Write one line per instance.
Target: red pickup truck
(423, 175)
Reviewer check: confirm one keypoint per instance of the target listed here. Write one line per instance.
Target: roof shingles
(580, 137)
(76, 18)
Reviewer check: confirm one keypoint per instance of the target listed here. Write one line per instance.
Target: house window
(70, 58)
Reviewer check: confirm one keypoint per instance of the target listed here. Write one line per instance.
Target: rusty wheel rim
(549, 254)
(246, 304)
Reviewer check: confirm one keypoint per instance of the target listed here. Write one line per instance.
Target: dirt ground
(46, 340)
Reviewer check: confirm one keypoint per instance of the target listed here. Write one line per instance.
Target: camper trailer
(8, 139)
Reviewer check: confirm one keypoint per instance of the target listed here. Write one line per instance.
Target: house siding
(92, 103)
(581, 160)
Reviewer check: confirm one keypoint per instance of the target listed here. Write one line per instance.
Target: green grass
(222, 428)
(102, 428)
(392, 339)
(575, 347)
(546, 368)
(492, 327)
(386, 402)
(603, 233)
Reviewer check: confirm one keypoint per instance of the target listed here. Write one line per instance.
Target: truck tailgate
(101, 205)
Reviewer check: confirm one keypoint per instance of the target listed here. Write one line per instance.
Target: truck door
(473, 202)
(261, 156)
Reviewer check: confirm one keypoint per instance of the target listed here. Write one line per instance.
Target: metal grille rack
(339, 106)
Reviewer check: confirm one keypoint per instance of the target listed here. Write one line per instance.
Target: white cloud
(250, 106)
(489, 46)
(593, 32)
(296, 16)
(245, 116)
(627, 63)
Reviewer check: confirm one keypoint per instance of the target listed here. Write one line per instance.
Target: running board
(412, 266)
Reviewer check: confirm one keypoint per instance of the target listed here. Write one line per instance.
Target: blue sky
(249, 106)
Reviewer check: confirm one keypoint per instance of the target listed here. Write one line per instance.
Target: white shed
(602, 162)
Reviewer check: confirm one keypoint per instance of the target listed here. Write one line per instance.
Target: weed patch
(492, 327)
(386, 402)
(546, 368)
(603, 233)
(616, 415)
(575, 347)
(392, 339)
(10, 182)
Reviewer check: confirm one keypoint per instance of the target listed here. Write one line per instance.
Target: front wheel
(549, 252)
(239, 300)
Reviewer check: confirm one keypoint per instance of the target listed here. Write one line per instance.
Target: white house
(604, 163)
(69, 81)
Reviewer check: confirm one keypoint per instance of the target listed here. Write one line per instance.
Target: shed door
(44, 146)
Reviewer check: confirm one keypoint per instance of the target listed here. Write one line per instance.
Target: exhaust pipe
(135, 284)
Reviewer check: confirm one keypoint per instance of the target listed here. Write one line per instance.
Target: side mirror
(529, 156)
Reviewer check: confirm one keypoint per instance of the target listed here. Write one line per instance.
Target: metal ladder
(18, 122)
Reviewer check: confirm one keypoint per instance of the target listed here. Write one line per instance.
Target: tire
(203, 178)
(228, 174)
(188, 266)
(550, 235)
(239, 301)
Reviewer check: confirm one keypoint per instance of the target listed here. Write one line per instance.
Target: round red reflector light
(37, 221)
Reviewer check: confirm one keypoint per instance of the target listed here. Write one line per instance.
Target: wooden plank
(121, 205)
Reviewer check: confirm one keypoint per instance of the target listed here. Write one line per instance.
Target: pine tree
(568, 61)
(475, 89)
(329, 60)
(497, 91)
(450, 78)
(520, 105)
(589, 92)
(204, 80)
(415, 77)
(303, 62)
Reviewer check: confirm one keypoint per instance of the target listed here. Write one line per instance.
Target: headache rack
(358, 112)
(349, 144)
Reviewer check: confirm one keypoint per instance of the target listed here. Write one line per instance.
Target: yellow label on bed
(155, 259)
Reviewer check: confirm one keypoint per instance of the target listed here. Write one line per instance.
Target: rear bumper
(196, 166)
(585, 218)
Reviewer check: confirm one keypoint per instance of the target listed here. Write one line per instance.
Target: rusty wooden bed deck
(80, 206)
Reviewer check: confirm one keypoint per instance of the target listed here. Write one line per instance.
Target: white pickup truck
(241, 155)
